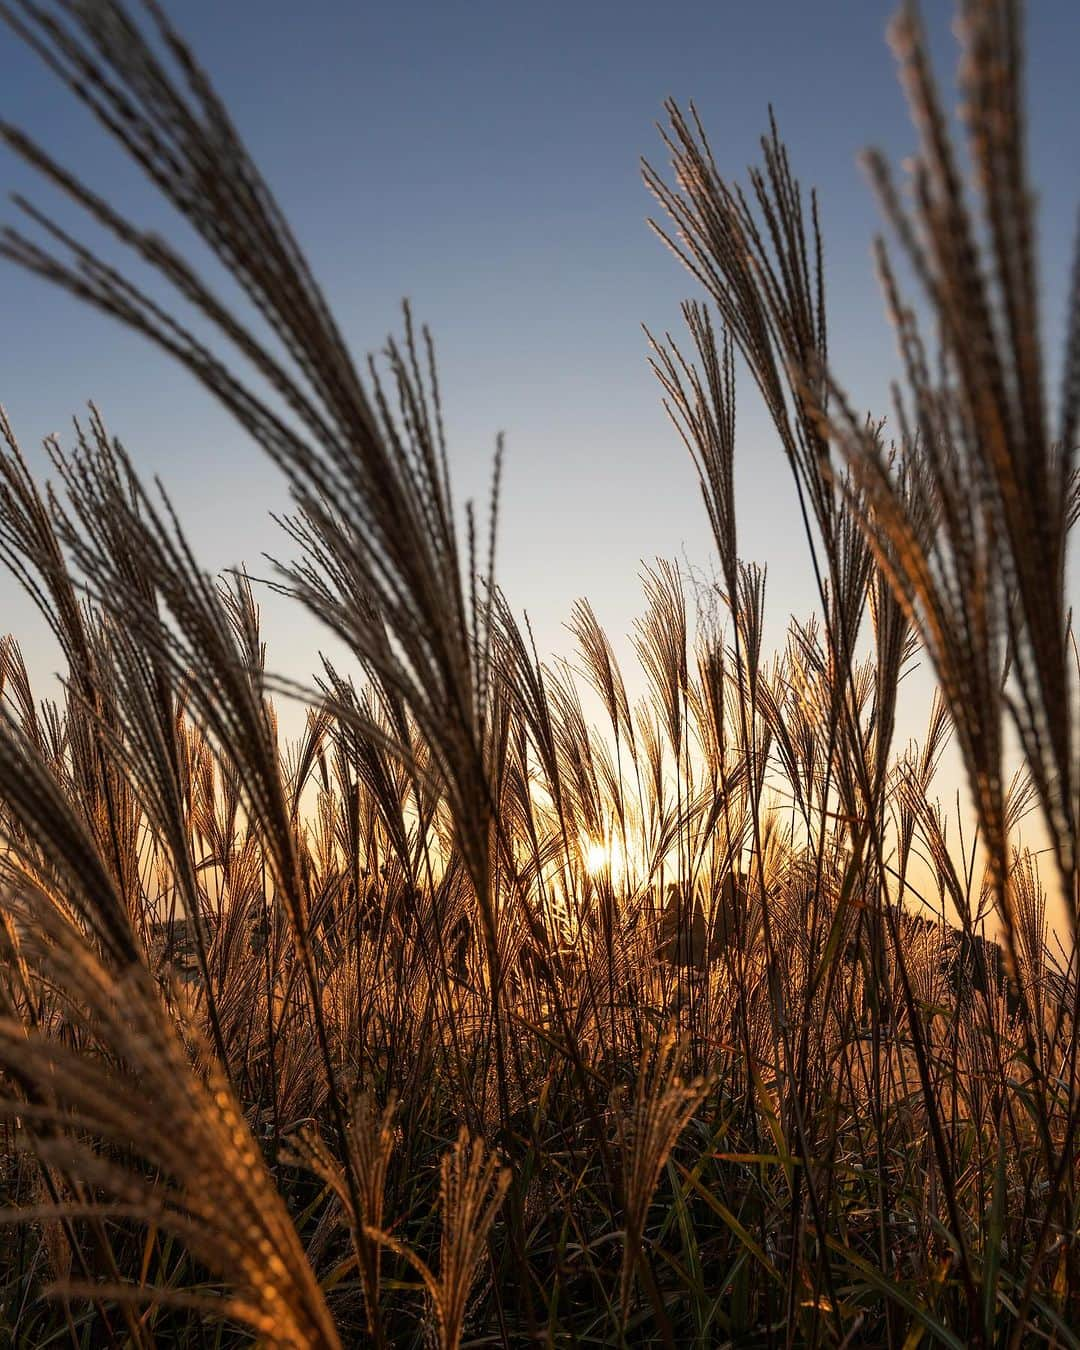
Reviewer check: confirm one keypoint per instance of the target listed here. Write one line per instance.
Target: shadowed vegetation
(460, 1019)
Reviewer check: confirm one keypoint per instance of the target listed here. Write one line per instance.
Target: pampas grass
(461, 1018)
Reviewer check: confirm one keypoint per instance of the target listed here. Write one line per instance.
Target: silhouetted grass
(460, 1018)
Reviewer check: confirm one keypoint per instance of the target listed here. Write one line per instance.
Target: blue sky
(483, 160)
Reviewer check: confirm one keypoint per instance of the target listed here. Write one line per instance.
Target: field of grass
(460, 1020)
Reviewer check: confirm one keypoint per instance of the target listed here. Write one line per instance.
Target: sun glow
(603, 857)
(597, 857)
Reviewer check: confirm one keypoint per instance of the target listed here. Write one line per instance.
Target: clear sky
(483, 160)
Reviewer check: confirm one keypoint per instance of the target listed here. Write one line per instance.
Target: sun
(597, 857)
(603, 857)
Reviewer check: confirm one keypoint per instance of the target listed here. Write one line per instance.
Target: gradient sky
(483, 160)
